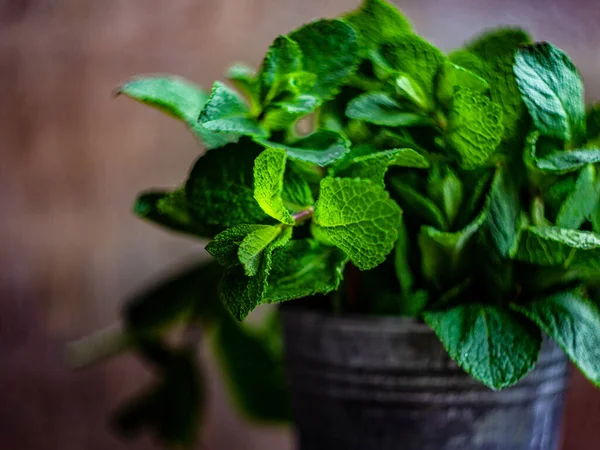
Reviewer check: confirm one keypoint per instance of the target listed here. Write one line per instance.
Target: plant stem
(98, 346)
(303, 215)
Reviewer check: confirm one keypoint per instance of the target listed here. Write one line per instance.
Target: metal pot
(378, 383)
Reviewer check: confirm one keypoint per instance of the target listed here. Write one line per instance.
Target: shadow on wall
(73, 160)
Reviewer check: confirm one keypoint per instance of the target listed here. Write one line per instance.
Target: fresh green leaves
(283, 58)
(582, 201)
(573, 322)
(358, 217)
(552, 90)
(475, 127)
(495, 346)
(269, 169)
(451, 77)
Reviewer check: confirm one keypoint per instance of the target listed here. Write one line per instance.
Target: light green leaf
(252, 247)
(494, 346)
(417, 205)
(573, 323)
(503, 209)
(321, 147)
(297, 194)
(358, 217)
(304, 268)
(408, 88)
(178, 98)
(225, 245)
(451, 76)
(331, 52)
(269, 170)
(581, 202)
(381, 109)
(552, 90)
(491, 56)
(241, 293)
(220, 189)
(559, 161)
(281, 115)
(226, 112)
(416, 58)
(474, 127)
(374, 166)
(553, 246)
(283, 58)
(377, 22)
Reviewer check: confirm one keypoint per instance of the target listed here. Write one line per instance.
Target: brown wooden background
(72, 160)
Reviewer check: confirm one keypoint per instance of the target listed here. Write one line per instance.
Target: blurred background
(73, 159)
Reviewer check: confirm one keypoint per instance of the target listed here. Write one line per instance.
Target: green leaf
(593, 123)
(552, 90)
(493, 345)
(503, 209)
(297, 194)
(581, 202)
(280, 115)
(226, 112)
(252, 248)
(474, 127)
(442, 252)
(170, 210)
(304, 268)
(451, 76)
(381, 109)
(446, 190)
(241, 293)
(491, 56)
(374, 166)
(416, 58)
(225, 245)
(417, 205)
(178, 98)
(220, 188)
(409, 89)
(573, 322)
(358, 217)
(269, 170)
(253, 372)
(321, 147)
(245, 79)
(331, 53)
(561, 161)
(553, 246)
(377, 22)
(283, 58)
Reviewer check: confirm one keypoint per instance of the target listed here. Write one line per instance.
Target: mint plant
(460, 189)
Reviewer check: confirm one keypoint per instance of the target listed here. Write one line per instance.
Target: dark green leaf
(416, 204)
(581, 202)
(283, 58)
(552, 90)
(297, 195)
(245, 79)
(225, 245)
(304, 268)
(255, 244)
(330, 51)
(220, 188)
(493, 345)
(401, 262)
(450, 77)
(446, 190)
(573, 322)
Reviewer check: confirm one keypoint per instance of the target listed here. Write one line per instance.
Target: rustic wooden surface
(73, 159)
